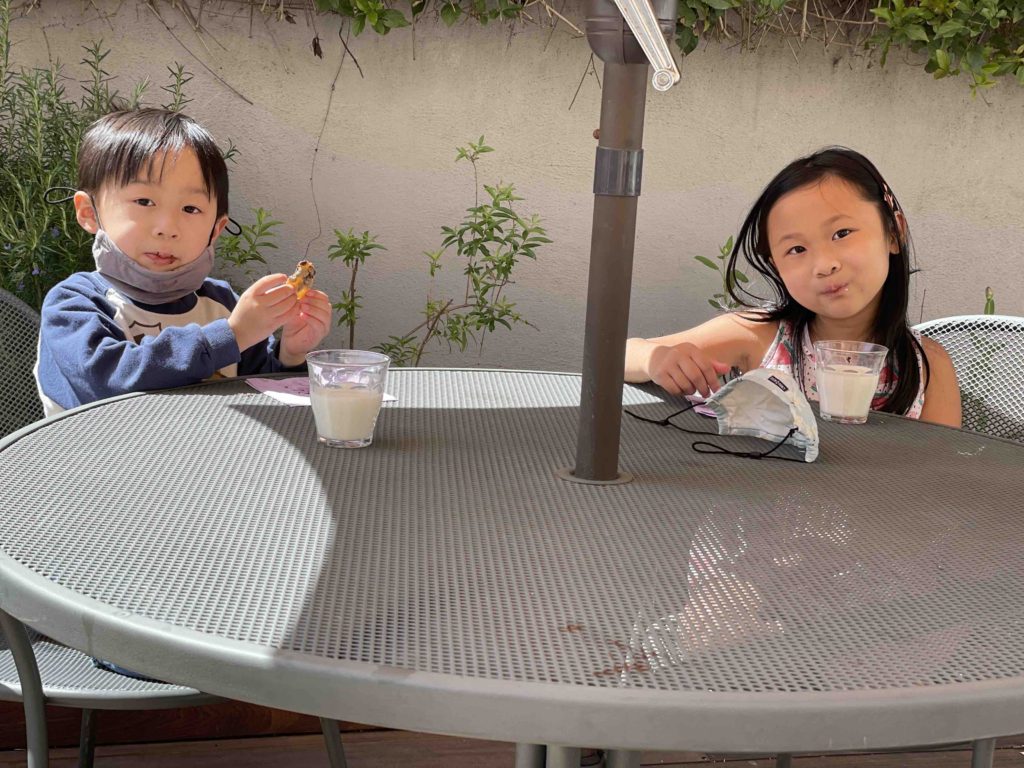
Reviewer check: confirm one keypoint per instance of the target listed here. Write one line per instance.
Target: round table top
(444, 579)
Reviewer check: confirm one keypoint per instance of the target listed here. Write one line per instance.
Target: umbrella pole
(616, 188)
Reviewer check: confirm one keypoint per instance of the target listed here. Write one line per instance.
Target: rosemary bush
(40, 129)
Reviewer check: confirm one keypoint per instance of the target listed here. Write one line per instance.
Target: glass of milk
(346, 387)
(847, 377)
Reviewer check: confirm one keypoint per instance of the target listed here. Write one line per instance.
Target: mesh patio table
(446, 580)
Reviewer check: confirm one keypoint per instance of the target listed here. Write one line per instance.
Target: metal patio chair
(19, 330)
(988, 355)
(35, 669)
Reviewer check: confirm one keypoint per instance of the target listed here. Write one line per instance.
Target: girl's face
(831, 249)
(163, 219)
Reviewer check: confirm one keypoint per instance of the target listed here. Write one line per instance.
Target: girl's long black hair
(891, 328)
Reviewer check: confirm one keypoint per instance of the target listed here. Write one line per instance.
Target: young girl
(153, 188)
(830, 239)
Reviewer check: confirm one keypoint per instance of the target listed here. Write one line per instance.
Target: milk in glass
(845, 391)
(345, 413)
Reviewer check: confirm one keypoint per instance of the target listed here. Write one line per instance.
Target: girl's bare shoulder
(942, 395)
(755, 324)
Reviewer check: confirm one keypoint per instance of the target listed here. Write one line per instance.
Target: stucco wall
(385, 160)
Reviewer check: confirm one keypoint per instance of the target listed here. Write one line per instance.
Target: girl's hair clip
(68, 193)
(232, 223)
(890, 200)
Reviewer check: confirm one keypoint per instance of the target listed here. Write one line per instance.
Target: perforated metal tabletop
(446, 580)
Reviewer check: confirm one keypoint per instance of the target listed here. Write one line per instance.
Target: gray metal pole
(87, 739)
(617, 173)
(332, 741)
(31, 690)
(624, 94)
(530, 756)
(563, 757)
(983, 752)
(620, 758)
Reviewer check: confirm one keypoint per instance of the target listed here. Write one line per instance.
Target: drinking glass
(847, 375)
(346, 388)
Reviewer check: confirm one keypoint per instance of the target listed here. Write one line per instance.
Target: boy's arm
(263, 358)
(84, 355)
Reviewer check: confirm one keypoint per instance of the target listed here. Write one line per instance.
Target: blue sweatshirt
(94, 342)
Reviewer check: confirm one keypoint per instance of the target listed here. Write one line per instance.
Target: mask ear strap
(51, 195)
(666, 422)
(703, 447)
(227, 228)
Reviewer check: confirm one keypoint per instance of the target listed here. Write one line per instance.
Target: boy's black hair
(891, 328)
(118, 146)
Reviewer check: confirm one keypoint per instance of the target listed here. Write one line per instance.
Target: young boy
(153, 188)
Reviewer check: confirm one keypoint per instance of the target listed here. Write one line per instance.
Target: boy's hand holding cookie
(306, 328)
(262, 309)
(309, 322)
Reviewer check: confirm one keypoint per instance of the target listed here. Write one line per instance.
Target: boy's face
(163, 219)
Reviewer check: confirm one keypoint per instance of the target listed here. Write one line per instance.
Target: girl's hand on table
(683, 369)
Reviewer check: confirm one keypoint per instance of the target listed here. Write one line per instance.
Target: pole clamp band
(617, 172)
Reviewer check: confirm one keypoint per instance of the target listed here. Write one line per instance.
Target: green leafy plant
(373, 13)
(382, 17)
(40, 129)
(245, 248)
(489, 242)
(352, 249)
(723, 301)
(983, 39)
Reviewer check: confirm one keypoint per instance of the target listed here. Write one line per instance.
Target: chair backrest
(988, 355)
(19, 332)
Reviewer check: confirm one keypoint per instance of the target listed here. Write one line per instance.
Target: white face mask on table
(767, 404)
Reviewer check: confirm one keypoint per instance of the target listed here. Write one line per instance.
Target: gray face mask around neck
(145, 285)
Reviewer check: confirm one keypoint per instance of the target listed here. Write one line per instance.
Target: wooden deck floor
(401, 749)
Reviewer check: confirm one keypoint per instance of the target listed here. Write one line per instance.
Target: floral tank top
(781, 355)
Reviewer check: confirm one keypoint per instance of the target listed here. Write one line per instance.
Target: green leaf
(395, 19)
(916, 32)
(950, 28)
(707, 262)
(450, 13)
